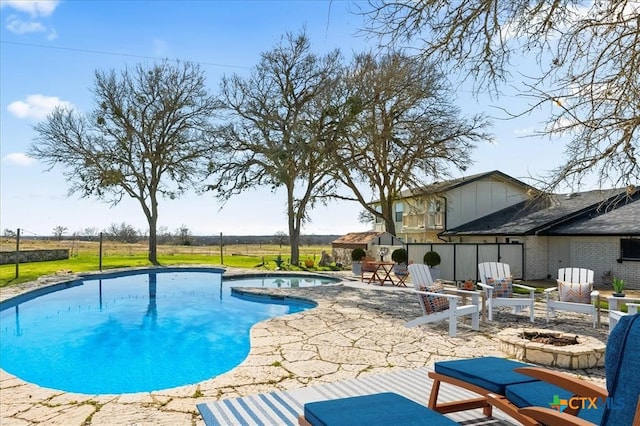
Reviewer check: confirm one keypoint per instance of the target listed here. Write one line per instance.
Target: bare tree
(122, 232)
(406, 131)
(164, 235)
(148, 137)
(281, 237)
(183, 236)
(278, 116)
(90, 233)
(58, 231)
(588, 55)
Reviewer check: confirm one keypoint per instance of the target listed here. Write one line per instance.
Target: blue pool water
(137, 332)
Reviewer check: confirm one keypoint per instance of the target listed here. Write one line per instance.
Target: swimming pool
(137, 332)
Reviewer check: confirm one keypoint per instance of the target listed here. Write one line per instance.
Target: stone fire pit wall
(588, 353)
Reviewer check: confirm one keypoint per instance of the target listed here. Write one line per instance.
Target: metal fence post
(100, 255)
(18, 253)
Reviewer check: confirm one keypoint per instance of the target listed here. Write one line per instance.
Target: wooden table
(382, 273)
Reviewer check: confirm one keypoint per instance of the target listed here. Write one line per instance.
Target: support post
(100, 254)
(221, 251)
(18, 253)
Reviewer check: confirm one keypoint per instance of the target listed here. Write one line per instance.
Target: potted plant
(432, 260)
(618, 287)
(356, 258)
(401, 257)
(279, 261)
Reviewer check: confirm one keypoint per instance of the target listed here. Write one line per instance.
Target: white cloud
(19, 159)
(19, 26)
(32, 7)
(36, 106)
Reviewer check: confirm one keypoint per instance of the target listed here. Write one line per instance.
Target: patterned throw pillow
(574, 292)
(502, 287)
(434, 304)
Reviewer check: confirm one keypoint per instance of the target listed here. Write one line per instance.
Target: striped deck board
(282, 408)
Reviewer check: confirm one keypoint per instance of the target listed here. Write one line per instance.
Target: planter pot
(618, 294)
(435, 273)
(356, 267)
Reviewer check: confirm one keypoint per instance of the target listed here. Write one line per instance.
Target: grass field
(84, 256)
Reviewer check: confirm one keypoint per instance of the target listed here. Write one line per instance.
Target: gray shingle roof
(623, 221)
(600, 212)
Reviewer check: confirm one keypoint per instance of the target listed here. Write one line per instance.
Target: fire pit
(555, 339)
(552, 348)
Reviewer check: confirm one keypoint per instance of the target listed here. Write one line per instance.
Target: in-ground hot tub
(588, 352)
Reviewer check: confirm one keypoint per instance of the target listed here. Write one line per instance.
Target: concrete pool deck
(355, 330)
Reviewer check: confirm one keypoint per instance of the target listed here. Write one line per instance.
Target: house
(599, 230)
(422, 215)
(370, 242)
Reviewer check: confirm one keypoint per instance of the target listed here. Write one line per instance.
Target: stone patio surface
(355, 330)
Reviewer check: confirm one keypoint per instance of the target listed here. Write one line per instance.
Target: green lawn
(89, 262)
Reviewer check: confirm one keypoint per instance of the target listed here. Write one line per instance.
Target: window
(630, 248)
(399, 209)
(435, 215)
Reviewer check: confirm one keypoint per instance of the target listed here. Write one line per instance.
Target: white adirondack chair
(420, 276)
(615, 314)
(516, 302)
(580, 280)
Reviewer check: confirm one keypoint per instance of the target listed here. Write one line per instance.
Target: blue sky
(49, 51)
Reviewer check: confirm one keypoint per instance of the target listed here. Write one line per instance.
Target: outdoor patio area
(356, 331)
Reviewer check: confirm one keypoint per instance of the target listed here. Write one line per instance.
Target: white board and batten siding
(481, 198)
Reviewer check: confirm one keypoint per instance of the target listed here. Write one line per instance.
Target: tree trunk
(294, 238)
(390, 226)
(153, 242)
(294, 228)
(388, 215)
(152, 217)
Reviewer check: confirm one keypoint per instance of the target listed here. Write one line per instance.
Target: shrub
(399, 255)
(431, 258)
(358, 254)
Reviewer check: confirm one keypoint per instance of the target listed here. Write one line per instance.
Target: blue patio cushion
(382, 409)
(491, 373)
(621, 366)
(543, 394)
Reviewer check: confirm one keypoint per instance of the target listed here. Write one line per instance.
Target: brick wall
(536, 257)
(600, 254)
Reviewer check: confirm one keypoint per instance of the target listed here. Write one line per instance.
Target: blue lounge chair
(384, 409)
(620, 402)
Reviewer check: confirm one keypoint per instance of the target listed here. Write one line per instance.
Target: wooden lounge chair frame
(622, 404)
